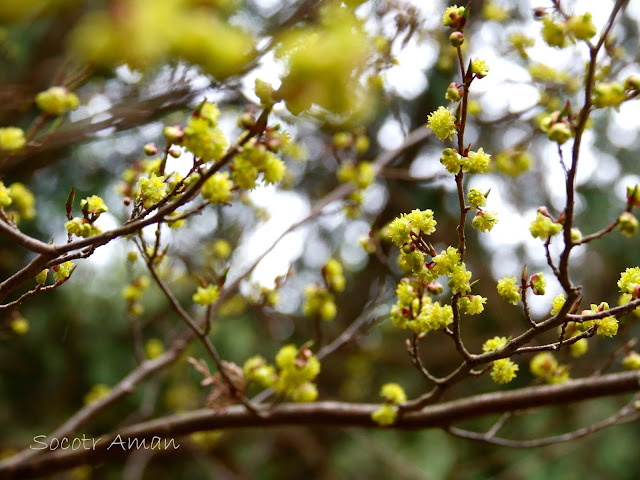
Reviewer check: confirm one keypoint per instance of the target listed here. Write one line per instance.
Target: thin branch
(626, 348)
(202, 336)
(552, 265)
(579, 131)
(496, 427)
(599, 234)
(626, 415)
(413, 347)
(557, 345)
(455, 334)
(30, 243)
(402, 174)
(525, 304)
(29, 294)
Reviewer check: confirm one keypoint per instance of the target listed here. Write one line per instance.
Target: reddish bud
(150, 149)
(435, 288)
(544, 211)
(539, 12)
(273, 144)
(246, 120)
(456, 39)
(173, 134)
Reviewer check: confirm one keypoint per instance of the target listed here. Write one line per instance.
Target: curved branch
(326, 414)
(625, 415)
(30, 243)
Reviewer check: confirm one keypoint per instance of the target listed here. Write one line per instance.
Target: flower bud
(633, 195)
(408, 248)
(41, 278)
(631, 361)
(173, 134)
(608, 95)
(525, 274)
(273, 144)
(632, 82)
(265, 92)
(342, 140)
(453, 93)
(538, 284)
(362, 143)
(581, 26)
(544, 211)
(56, 101)
(628, 224)
(175, 153)
(576, 235)
(539, 12)
(456, 39)
(435, 288)
(246, 120)
(559, 132)
(150, 149)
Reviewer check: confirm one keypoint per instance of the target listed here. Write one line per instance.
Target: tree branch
(327, 414)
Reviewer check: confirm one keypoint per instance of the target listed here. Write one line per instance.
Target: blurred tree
(219, 214)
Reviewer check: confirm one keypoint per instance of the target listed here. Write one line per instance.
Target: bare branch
(626, 415)
(332, 414)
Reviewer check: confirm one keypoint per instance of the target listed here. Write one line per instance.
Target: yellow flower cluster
(57, 100)
(206, 295)
(393, 395)
(545, 366)
(130, 35)
(297, 368)
(254, 159)
(11, 139)
(324, 65)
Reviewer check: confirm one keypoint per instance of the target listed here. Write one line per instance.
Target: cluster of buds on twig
(558, 125)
